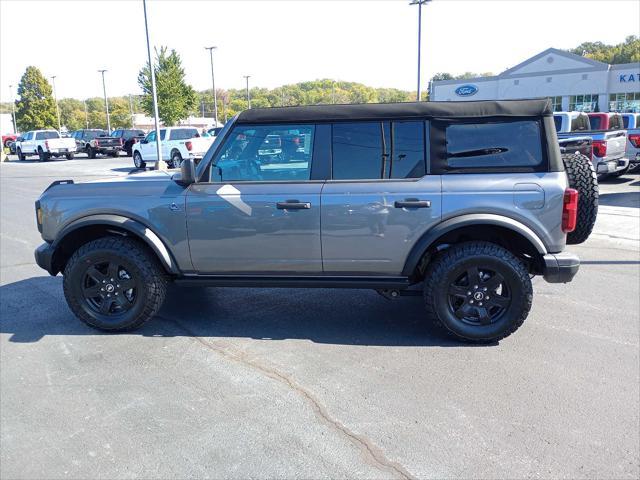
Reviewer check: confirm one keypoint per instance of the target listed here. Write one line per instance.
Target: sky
(282, 42)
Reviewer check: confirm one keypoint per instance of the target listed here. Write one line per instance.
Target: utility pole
(159, 164)
(13, 109)
(133, 121)
(419, 3)
(247, 77)
(55, 96)
(213, 84)
(86, 114)
(106, 101)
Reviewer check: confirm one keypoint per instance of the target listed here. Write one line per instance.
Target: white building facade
(571, 81)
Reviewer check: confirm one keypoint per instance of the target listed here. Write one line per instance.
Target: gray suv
(460, 202)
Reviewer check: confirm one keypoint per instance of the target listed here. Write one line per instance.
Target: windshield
(91, 134)
(214, 146)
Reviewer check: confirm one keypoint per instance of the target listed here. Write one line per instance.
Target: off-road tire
(91, 152)
(21, 156)
(137, 160)
(150, 292)
(582, 177)
(483, 255)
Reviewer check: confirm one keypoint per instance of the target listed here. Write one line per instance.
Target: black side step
(295, 281)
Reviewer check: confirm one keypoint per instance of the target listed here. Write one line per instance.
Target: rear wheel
(137, 160)
(114, 284)
(477, 292)
(91, 153)
(43, 156)
(582, 177)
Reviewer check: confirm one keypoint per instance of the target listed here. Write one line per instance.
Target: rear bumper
(44, 258)
(612, 166)
(560, 267)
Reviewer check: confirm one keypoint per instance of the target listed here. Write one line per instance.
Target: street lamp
(55, 96)
(106, 101)
(419, 3)
(159, 164)
(213, 84)
(13, 109)
(247, 77)
(86, 114)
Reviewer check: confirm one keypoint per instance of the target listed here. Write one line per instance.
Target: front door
(380, 200)
(260, 211)
(148, 148)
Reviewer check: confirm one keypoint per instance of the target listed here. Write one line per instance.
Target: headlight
(39, 216)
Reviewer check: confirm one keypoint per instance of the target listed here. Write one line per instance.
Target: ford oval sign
(466, 90)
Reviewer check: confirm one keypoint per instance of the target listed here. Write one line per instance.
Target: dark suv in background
(128, 137)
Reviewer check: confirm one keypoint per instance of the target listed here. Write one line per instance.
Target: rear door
(257, 215)
(379, 200)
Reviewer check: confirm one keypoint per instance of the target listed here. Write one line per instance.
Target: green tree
(72, 113)
(176, 99)
(624, 52)
(36, 107)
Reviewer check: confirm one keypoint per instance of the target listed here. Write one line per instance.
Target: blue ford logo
(466, 90)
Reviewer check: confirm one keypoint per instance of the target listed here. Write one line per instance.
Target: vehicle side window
(596, 122)
(625, 121)
(163, 134)
(493, 145)
(407, 150)
(615, 122)
(28, 135)
(151, 137)
(47, 135)
(378, 150)
(265, 153)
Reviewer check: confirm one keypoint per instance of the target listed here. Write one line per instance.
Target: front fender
(423, 244)
(124, 223)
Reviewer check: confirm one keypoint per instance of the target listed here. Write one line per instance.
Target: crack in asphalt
(374, 455)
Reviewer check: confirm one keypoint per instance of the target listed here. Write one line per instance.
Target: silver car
(461, 202)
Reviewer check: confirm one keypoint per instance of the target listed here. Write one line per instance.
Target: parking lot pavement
(267, 383)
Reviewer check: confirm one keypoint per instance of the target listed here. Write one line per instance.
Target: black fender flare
(135, 227)
(423, 244)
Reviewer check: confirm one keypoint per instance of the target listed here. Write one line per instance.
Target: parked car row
(176, 143)
(611, 140)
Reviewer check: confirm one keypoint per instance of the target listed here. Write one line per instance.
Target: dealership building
(571, 81)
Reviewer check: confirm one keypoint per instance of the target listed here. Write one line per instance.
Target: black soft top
(407, 110)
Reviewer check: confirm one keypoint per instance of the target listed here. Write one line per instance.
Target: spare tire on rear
(582, 177)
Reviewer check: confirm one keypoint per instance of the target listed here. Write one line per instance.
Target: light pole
(55, 96)
(13, 109)
(419, 3)
(106, 101)
(133, 122)
(247, 77)
(86, 114)
(159, 165)
(213, 84)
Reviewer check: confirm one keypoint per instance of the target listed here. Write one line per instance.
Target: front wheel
(91, 152)
(114, 284)
(21, 156)
(69, 156)
(137, 160)
(43, 156)
(477, 292)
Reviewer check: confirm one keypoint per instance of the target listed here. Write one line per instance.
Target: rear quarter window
(493, 145)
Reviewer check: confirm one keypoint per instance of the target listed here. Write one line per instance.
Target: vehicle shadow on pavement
(622, 199)
(34, 308)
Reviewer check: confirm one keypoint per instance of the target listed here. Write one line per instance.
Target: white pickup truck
(177, 143)
(45, 144)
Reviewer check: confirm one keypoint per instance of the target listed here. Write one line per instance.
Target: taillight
(634, 138)
(189, 145)
(569, 210)
(121, 141)
(46, 144)
(600, 148)
(97, 143)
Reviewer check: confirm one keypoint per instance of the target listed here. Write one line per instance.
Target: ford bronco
(460, 202)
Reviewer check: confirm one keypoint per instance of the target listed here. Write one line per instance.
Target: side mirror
(187, 172)
(19, 139)
(144, 141)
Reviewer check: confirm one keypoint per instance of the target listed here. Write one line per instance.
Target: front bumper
(560, 267)
(44, 258)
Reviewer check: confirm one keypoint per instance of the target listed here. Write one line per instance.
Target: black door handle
(293, 205)
(412, 203)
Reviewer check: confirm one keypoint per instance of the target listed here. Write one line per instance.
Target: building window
(624, 102)
(557, 104)
(584, 103)
(516, 82)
